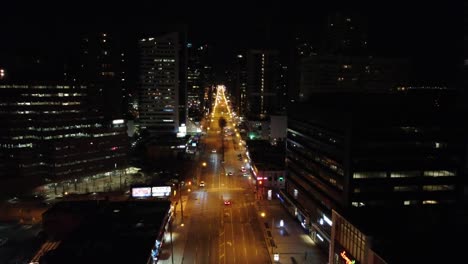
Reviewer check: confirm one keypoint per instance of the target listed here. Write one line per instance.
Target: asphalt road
(219, 233)
(21, 244)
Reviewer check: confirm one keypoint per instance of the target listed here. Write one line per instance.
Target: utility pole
(120, 180)
(172, 244)
(110, 174)
(181, 206)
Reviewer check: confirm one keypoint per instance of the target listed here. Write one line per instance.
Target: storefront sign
(348, 261)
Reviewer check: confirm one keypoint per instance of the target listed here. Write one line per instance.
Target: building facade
(49, 134)
(350, 245)
(263, 83)
(101, 69)
(350, 153)
(339, 73)
(162, 92)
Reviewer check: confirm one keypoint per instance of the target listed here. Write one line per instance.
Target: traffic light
(260, 182)
(281, 179)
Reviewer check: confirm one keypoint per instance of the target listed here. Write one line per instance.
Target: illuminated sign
(348, 261)
(276, 257)
(138, 192)
(117, 121)
(161, 191)
(148, 191)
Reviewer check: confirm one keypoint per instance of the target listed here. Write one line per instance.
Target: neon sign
(348, 261)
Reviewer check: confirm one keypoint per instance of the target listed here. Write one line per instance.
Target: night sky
(425, 32)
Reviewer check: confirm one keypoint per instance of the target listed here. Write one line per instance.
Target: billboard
(161, 191)
(151, 191)
(139, 192)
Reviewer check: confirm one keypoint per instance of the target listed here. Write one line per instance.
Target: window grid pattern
(350, 238)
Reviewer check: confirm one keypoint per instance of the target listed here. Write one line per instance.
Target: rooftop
(106, 232)
(265, 155)
(413, 234)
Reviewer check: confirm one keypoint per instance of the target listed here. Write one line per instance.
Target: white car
(213, 151)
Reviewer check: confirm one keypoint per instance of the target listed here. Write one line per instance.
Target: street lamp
(172, 244)
(181, 206)
(86, 185)
(110, 174)
(120, 180)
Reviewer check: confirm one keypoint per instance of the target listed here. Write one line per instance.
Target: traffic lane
(201, 246)
(244, 239)
(243, 231)
(23, 241)
(257, 249)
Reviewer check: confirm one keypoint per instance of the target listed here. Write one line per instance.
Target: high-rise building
(194, 82)
(263, 83)
(339, 73)
(299, 49)
(348, 152)
(240, 84)
(344, 34)
(207, 75)
(49, 134)
(162, 92)
(101, 68)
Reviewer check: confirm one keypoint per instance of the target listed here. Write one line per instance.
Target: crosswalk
(47, 246)
(217, 189)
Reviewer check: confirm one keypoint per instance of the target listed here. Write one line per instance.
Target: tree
(222, 124)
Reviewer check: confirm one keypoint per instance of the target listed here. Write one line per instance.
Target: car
(227, 202)
(202, 184)
(243, 169)
(229, 173)
(213, 151)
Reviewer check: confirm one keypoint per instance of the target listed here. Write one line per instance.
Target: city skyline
(428, 36)
(288, 132)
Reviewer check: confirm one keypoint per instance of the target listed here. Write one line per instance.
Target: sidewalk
(179, 238)
(290, 241)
